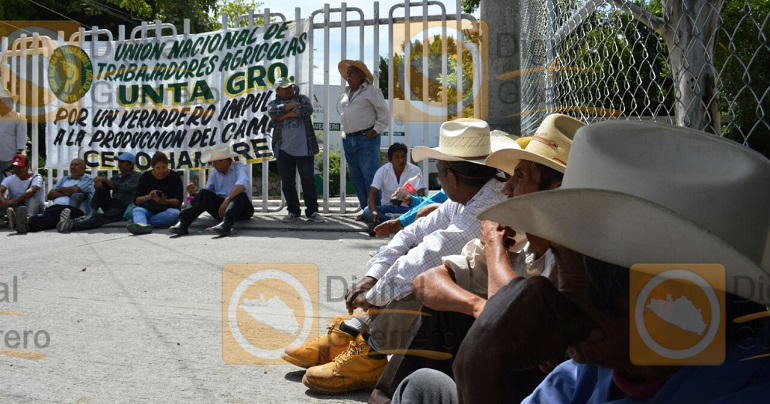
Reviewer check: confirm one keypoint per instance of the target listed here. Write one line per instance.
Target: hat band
(545, 141)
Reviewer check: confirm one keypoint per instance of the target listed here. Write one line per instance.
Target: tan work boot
(320, 350)
(350, 371)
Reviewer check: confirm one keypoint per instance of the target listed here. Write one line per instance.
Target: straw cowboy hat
(219, 152)
(465, 139)
(343, 68)
(549, 145)
(650, 193)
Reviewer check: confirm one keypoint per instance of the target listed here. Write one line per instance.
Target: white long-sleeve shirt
(421, 246)
(13, 135)
(363, 109)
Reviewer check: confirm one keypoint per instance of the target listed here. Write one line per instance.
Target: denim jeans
(382, 210)
(363, 159)
(165, 218)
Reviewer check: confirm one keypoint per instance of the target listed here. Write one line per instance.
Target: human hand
(495, 235)
(290, 106)
(192, 189)
(388, 227)
(223, 208)
(154, 196)
(375, 217)
(370, 133)
(359, 288)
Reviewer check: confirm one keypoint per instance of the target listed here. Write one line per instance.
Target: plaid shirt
(420, 246)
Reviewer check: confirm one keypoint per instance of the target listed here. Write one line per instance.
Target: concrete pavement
(139, 318)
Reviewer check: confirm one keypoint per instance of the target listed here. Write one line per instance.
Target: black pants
(288, 165)
(442, 331)
(50, 217)
(112, 209)
(239, 208)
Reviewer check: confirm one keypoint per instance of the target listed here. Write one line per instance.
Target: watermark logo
(427, 89)
(266, 308)
(32, 52)
(16, 342)
(677, 314)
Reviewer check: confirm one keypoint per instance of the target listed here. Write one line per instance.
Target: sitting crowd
(511, 284)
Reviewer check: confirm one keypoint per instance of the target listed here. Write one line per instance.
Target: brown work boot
(320, 350)
(350, 371)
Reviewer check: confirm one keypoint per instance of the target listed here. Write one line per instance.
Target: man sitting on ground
(454, 294)
(115, 198)
(388, 178)
(72, 192)
(471, 186)
(25, 192)
(227, 196)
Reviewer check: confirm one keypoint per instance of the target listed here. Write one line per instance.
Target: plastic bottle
(407, 189)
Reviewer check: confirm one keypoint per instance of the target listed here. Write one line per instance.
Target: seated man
(388, 178)
(115, 206)
(25, 192)
(72, 192)
(454, 294)
(626, 210)
(472, 187)
(227, 196)
(420, 206)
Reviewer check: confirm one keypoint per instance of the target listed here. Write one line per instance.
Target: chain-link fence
(695, 63)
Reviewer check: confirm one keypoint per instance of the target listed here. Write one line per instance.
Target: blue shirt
(734, 381)
(222, 184)
(418, 203)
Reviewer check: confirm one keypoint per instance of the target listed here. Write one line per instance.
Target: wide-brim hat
(549, 145)
(465, 139)
(220, 152)
(343, 68)
(284, 82)
(651, 193)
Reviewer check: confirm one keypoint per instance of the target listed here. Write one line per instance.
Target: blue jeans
(165, 218)
(363, 159)
(382, 210)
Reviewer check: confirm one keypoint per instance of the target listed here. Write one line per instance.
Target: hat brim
(506, 160)
(624, 230)
(343, 68)
(497, 143)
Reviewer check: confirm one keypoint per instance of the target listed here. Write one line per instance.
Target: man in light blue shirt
(227, 196)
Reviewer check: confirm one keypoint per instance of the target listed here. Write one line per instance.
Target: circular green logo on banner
(70, 73)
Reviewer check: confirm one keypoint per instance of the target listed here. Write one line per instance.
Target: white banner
(180, 95)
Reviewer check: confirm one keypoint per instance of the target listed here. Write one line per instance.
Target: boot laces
(349, 353)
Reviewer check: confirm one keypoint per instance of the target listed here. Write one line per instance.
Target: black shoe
(223, 228)
(179, 228)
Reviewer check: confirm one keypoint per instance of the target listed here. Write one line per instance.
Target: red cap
(19, 160)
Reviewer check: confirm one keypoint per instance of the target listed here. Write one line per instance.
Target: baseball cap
(19, 160)
(126, 156)
(284, 82)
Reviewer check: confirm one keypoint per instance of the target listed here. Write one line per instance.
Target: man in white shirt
(392, 175)
(25, 189)
(364, 116)
(472, 187)
(227, 196)
(13, 132)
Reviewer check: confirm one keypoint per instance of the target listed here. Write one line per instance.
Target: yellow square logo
(265, 308)
(421, 95)
(677, 314)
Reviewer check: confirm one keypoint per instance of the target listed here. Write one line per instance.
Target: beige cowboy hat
(465, 139)
(549, 145)
(219, 152)
(343, 68)
(651, 193)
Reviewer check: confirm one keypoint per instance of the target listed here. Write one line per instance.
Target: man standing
(123, 187)
(66, 194)
(364, 116)
(227, 196)
(25, 191)
(13, 132)
(294, 145)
